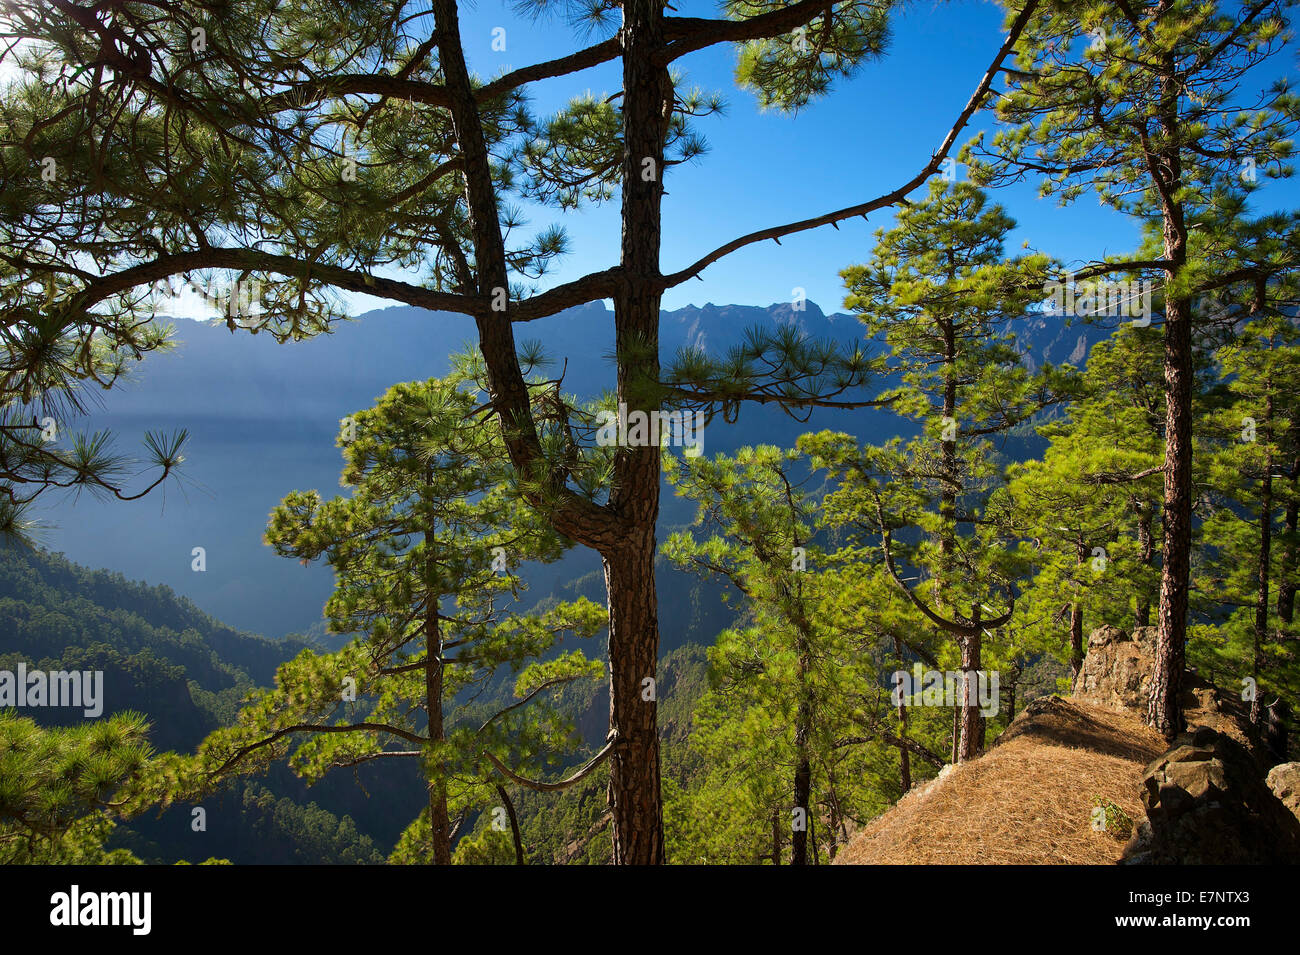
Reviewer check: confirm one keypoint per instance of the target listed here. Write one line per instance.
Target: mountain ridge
(242, 393)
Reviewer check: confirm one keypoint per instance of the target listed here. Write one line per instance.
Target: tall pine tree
(1160, 108)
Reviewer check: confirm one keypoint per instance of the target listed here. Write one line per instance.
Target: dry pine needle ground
(1028, 800)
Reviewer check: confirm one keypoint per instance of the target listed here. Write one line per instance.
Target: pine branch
(99, 289)
(884, 736)
(584, 59)
(950, 626)
(275, 737)
(896, 197)
(688, 34)
(542, 787)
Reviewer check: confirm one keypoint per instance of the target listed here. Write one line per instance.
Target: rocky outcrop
(1284, 780)
(1117, 669)
(1116, 673)
(1205, 797)
(1207, 804)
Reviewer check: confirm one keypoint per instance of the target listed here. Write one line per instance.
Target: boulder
(1284, 780)
(1207, 804)
(1116, 671)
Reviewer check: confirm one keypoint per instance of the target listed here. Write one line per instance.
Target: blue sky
(869, 135)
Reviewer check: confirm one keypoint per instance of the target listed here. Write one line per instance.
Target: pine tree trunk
(948, 462)
(1265, 558)
(776, 837)
(1289, 559)
(963, 732)
(1076, 623)
(838, 832)
(812, 839)
(1146, 554)
(634, 797)
(629, 566)
(1164, 709)
(623, 530)
(804, 763)
(972, 723)
(904, 758)
(439, 819)
(1076, 640)
(802, 789)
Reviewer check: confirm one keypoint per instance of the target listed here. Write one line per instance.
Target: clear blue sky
(869, 135)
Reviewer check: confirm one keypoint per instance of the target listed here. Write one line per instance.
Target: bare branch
(317, 728)
(688, 34)
(551, 787)
(1124, 478)
(895, 197)
(100, 289)
(582, 60)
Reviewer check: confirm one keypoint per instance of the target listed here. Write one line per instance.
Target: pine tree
(59, 786)
(945, 300)
(425, 551)
(1141, 103)
(1093, 531)
(791, 730)
(1252, 435)
(761, 546)
(313, 149)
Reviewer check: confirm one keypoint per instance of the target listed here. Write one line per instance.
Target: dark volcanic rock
(1207, 804)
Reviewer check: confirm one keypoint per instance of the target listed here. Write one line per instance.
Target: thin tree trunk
(1265, 557)
(948, 462)
(838, 831)
(514, 823)
(803, 759)
(1288, 559)
(904, 758)
(1076, 621)
(1146, 554)
(439, 820)
(972, 723)
(776, 837)
(802, 790)
(956, 732)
